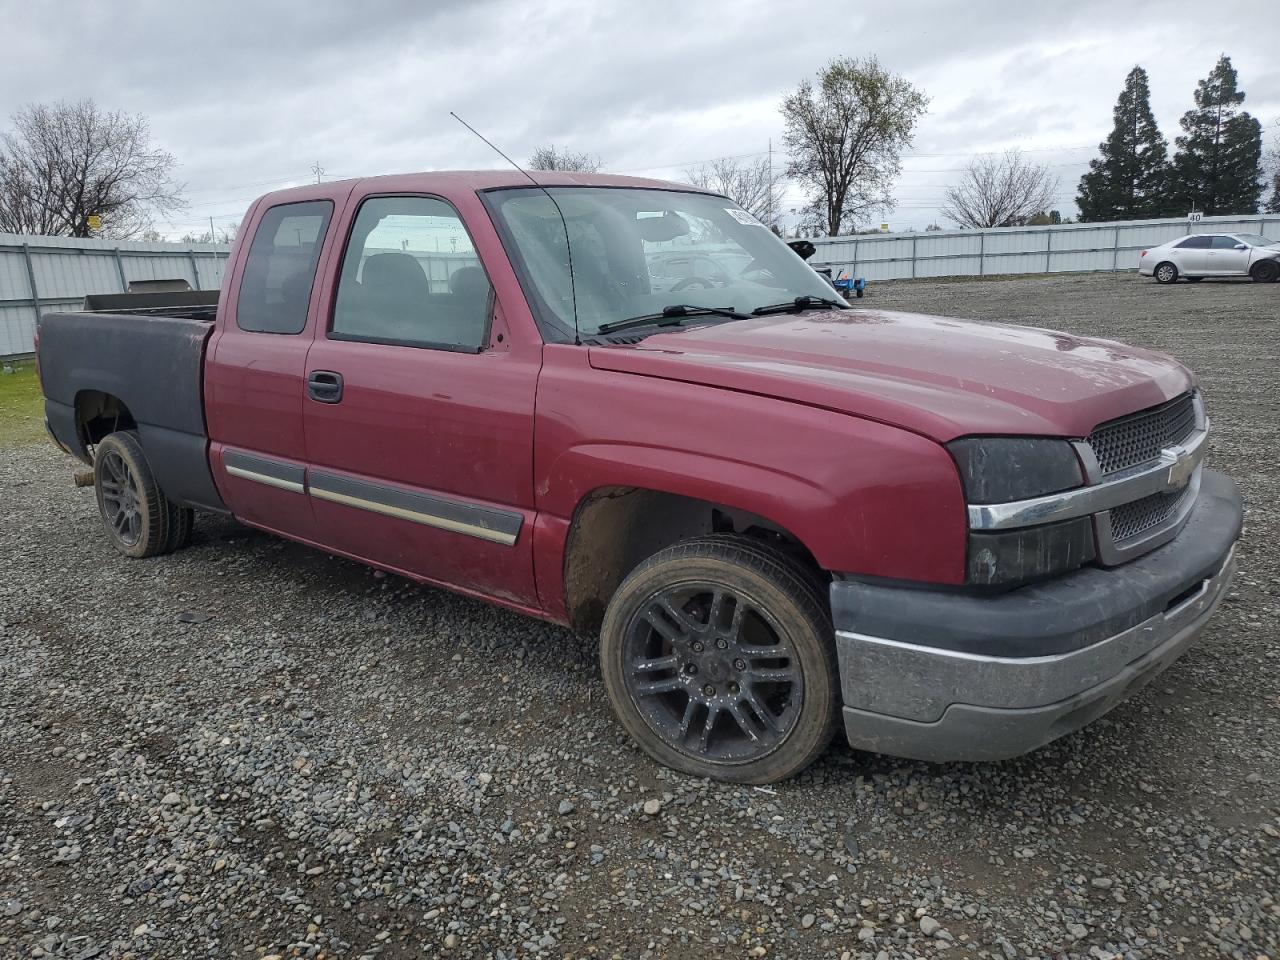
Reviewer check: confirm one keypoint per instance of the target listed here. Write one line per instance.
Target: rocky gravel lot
(249, 749)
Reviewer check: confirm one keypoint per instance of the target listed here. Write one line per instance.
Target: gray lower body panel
(924, 701)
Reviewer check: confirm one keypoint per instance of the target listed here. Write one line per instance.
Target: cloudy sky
(248, 96)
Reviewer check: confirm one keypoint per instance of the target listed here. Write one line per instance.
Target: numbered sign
(1195, 216)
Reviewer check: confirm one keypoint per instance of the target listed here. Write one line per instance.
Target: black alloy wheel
(121, 499)
(719, 659)
(134, 510)
(1265, 271)
(711, 674)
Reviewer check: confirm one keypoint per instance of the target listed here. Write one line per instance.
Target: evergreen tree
(1273, 205)
(1217, 166)
(1129, 181)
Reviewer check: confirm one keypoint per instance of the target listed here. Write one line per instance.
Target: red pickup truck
(781, 515)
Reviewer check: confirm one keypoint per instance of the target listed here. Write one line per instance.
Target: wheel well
(615, 528)
(99, 414)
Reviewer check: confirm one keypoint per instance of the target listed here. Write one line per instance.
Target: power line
(906, 156)
(323, 176)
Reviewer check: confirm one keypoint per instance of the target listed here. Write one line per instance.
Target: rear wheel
(718, 657)
(1265, 271)
(134, 511)
(181, 522)
(1166, 272)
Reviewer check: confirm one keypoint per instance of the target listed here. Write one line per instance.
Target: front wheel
(1166, 273)
(718, 658)
(1265, 271)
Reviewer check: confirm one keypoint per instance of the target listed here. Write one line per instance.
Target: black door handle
(325, 386)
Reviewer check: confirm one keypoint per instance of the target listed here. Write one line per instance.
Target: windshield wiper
(799, 303)
(672, 316)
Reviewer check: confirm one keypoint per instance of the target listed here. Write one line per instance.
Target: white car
(1213, 255)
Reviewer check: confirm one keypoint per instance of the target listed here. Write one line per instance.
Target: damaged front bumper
(937, 675)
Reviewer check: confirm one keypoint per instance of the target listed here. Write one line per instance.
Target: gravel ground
(249, 749)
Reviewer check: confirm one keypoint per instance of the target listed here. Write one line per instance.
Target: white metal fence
(1069, 248)
(41, 274)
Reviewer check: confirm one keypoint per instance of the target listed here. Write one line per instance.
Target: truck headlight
(1005, 469)
(1002, 469)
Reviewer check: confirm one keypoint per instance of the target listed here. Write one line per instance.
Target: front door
(1226, 260)
(419, 423)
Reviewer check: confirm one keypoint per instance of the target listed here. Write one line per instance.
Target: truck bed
(179, 304)
(152, 363)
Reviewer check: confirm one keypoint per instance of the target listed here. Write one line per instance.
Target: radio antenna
(568, 246)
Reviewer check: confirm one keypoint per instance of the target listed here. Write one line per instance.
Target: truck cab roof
(455, 181)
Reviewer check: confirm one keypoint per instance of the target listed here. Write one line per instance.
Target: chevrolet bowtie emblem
(1182, 467)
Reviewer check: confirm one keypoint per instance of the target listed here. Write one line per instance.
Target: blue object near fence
(847, 285)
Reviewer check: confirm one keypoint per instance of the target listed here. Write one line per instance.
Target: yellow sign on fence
(94, 221)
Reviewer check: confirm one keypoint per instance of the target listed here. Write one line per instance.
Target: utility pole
(769, 185)
(213, 236)
(317, 170)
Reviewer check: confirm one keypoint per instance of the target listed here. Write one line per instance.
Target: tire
(134, 511)
(181, 523)
(739, 679)
(1265, 271)
(1165, 272)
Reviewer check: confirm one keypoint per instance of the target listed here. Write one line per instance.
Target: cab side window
(411, 276)
(1225, 243)
(1196, 243)
(281, 267)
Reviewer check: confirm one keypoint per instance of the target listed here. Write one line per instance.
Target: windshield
(637, 251)
(1253, 240)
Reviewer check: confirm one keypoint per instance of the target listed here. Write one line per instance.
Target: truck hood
(936, 376)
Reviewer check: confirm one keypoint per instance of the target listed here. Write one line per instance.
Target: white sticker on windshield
(744, 218)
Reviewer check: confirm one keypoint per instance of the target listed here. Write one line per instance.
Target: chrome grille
(1133, 519)
(1139, 438)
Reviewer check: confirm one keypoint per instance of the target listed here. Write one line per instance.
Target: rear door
(254, 377)
(419, 419)
(1192, 255)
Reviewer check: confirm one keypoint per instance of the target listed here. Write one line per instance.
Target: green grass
(21, 405)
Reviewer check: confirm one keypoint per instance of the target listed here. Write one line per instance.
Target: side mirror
(1242, 246)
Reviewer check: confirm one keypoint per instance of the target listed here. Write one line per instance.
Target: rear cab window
(281, 267)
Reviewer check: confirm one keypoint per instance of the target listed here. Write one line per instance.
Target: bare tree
(552, 157)
(1000, 191)
(846, 136)
(755, 187)
(1273, 164)
(65, 162)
